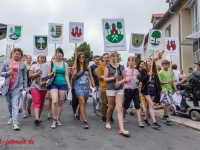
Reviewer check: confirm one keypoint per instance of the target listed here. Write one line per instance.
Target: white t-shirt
(176, 74)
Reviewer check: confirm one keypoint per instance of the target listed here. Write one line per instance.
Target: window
(194, 5)
(168, 31)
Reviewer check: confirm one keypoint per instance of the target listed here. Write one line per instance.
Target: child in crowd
(167, 79)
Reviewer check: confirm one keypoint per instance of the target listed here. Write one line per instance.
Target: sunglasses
(81, 57)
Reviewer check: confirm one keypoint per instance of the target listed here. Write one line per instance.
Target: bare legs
(57, 102)
(118, 99)
(81, 110)
(150, 107)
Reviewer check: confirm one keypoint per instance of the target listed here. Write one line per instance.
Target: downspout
(179, 26)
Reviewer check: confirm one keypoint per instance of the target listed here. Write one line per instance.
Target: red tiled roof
(156, 16)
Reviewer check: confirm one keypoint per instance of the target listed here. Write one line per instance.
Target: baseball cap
(197, 63)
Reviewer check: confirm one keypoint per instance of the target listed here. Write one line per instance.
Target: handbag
(50, 80)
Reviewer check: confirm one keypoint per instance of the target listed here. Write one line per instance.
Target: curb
(179, 123)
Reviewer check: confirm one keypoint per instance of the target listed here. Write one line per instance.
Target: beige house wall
(186, 29)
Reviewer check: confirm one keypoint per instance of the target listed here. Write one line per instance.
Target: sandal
(108, 126)
(125, 133)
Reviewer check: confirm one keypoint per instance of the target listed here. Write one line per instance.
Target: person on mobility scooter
(191, 91)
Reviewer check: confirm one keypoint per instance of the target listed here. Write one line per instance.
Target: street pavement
(71, 136)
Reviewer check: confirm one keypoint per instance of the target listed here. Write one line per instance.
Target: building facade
(176, 22)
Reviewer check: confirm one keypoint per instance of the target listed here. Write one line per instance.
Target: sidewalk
(180, 120)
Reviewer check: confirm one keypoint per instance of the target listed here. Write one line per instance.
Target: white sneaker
(15, 126)
(94, 114)
(53, 126)
(59, 123)
(10, 121)
(99, 113)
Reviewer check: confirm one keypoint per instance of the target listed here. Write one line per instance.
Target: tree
(156, 34)
(41, 41)
(119, 26)
(107, 27)
(52, 30)
(119, 60)
(11, 30)
(85, 48)
(137, 38)
(138, 58)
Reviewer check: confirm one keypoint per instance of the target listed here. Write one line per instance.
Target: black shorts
(132, 95)
(157, 98)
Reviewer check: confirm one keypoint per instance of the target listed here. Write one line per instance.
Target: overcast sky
(35, 15)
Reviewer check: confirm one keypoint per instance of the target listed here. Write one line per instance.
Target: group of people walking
(117, 86)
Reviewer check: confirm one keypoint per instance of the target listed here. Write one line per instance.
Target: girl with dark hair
(82, 76)
(15, 73)
(141, 65)
(150, 88)
(59, 86)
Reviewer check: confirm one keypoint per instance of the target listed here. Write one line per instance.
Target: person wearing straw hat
(15, 73)
(114, 75)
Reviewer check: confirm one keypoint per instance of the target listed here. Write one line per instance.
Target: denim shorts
(84, 91)
(59, 87)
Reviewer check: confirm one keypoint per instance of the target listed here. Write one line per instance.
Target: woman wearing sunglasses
(82, 76)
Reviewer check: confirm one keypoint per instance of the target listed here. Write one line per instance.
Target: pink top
(129, 74)
(15, 70)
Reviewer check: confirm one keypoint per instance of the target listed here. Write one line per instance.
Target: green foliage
(52, 29)
(156, 34)
(119, 26)
(107, 27)
(138, 58)
(119, 60)
(85, 48)
(11, 30)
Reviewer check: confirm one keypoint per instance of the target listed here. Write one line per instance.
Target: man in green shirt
(167, 80)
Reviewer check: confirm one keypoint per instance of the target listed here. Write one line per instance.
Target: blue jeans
(13, 105)
(183, 101)
(95, 102)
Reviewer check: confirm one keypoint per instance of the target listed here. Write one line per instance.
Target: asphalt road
(71, 136)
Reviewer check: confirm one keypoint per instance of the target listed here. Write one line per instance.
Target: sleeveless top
(60, 74)
(111, 72)
(83, 81)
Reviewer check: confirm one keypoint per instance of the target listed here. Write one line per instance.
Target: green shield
(40, 42)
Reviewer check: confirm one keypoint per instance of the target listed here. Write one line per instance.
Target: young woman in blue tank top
(59, 86)
(82, 76)
(115, 92)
